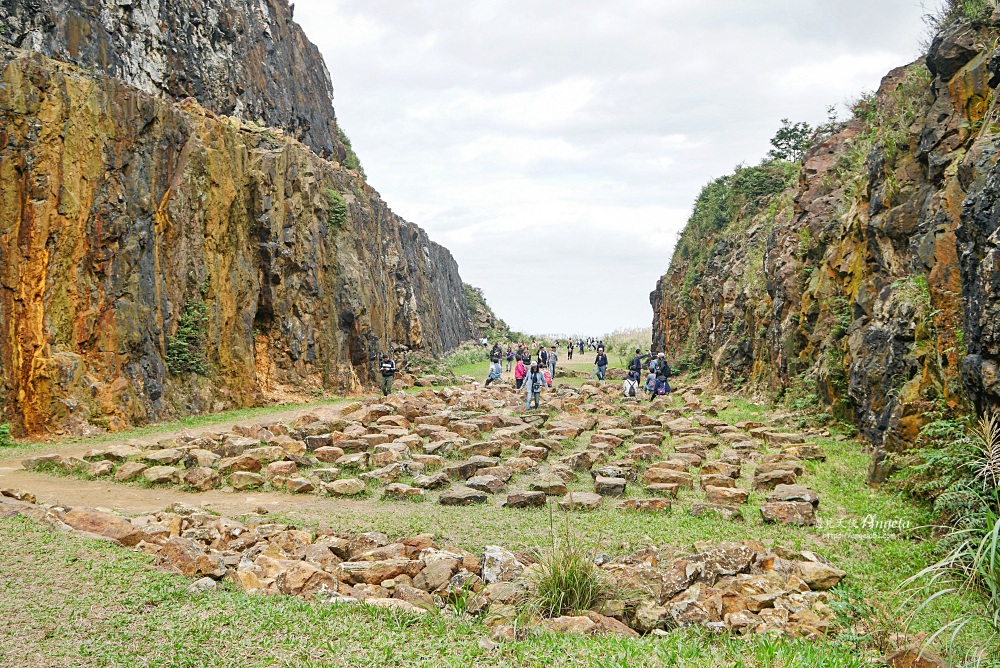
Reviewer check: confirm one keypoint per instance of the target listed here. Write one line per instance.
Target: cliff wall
(242, 58)
(157, 259)
(873, 281)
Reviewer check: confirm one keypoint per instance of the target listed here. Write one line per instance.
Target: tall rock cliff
(873, 280)
(242, 58)
(158, 258)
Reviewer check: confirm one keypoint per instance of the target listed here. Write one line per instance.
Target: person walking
(543, 357)
(533, 384)
(602, 364)
(387, 370)
(520, 371)
(569, 350)
(510, 358)
(553, 358)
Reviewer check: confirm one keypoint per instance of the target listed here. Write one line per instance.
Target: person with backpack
(630, 388)
(520, 371)
(533, 384)
(601, 362)
(553, 358)
(662, 372)
(387, 370)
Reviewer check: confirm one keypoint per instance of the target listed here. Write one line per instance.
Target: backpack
(662, 387)
(630, 388)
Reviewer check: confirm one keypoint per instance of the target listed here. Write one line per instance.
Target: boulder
(161, 475)
(609, 486)
(242, 480)
(345, 487)
(500, 565)
(773, 479)
(580, 501)
(550, 485)
(461, 496)
(659, 476)
(299, 485)
(820, 576)
(398, 490)
(794, 493)
(104, 524)
(646, 505)
(726, 496)
(486, 483)
(188, 557)
(201, 478)
(437, 481)
(796, 513)
(525, 500)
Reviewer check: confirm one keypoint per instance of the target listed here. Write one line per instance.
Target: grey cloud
(565, 211)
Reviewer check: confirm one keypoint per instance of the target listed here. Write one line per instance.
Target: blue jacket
(534, 382)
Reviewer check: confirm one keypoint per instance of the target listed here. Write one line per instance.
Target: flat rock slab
(773, 479)
(794, 493)
(580, 501)
(346, 487)
(609, 486)
(646, 505)
(794, 513)
(664, 489)
(486, 483)
(726, 496)
(525, 500)
(731, 513)
(462, 496)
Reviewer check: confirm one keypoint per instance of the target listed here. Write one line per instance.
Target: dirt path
(137, 500)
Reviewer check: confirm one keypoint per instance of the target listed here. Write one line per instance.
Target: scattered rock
(525, 500)
(580, 501)
(461, 496)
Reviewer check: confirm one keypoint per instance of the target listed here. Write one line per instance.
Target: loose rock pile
(463, 446)
(739, 587)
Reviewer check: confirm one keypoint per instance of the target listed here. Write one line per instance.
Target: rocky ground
(468, 446)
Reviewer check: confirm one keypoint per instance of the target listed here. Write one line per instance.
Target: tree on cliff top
(791, 141)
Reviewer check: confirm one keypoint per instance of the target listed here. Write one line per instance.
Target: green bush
(338, 210)
(5, 438)
(186, 349)
(791, 141)
(351, 161)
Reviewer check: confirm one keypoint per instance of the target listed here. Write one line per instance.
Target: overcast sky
(556, 146)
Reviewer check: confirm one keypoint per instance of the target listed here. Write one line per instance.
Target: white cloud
(557, 147)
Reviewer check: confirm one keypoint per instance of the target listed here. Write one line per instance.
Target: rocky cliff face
(873, 282)
(236, 57)
(157, 259)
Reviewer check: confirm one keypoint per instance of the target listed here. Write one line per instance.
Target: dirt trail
(137, 500)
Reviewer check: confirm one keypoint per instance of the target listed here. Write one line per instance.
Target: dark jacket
(602, 360)
(662, 370)
(387, 368)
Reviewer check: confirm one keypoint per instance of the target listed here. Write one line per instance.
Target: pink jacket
(519, 370)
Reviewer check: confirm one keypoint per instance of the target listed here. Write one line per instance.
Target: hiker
(581, 346)
(388, 370)
(533, 384)
(636, 363)
(630, 388)
(497, 350)
(543, 357)
(484, 341)
(662, 371)
(510, 358)
(520, 371)
(553, 358)
(496, 372)
(602, 364)
(569, 350)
